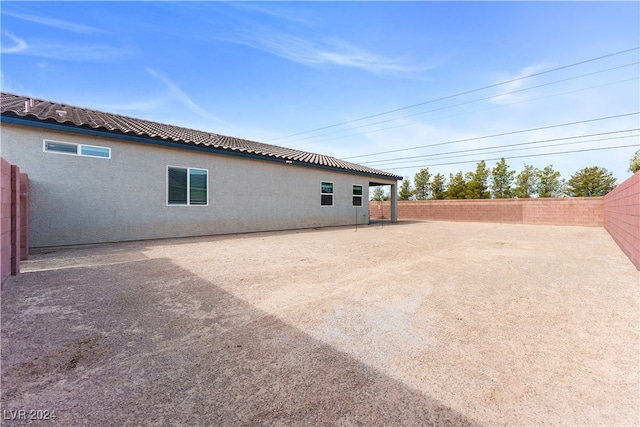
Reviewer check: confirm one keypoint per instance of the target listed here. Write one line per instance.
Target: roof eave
(32, 121)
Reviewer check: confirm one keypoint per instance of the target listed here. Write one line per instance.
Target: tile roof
(68, 115)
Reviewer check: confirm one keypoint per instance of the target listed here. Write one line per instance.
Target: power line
(518, 157)
(377, 163)
(460, 114)
(494, 135)
(458, 94)
(524, 148)
(474, 101)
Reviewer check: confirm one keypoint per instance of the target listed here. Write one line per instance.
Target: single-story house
(99, 177)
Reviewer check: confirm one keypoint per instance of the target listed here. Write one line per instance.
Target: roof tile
(22, 106)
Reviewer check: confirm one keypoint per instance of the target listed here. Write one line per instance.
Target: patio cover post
(394, 202)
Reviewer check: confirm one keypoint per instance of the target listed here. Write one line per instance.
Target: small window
(77, 149)
(326, 194)
(357, 195)
(93, 151)
(59, 147)
(187, 186)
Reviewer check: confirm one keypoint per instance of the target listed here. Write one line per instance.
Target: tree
(379, 195)
(634, 165)
(406, 191)
(591, 182)
(438, 187)
(477, 182)
(501, 180)
(421, 181)
(549, 183)
(526, 182)
(457, 188)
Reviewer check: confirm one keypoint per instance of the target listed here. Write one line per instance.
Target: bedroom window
(326, 194)
(357, 195)
(77, 149)
(187, 186)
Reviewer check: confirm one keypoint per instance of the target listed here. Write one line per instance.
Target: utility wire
(494, 135)
(523, 148)
(413, 158)
(517, 157)
(456, 115)
(473, 101)
(458, 94)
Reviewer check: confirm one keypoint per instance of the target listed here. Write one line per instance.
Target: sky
(397, 86)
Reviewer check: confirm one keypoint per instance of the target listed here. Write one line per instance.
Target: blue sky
(267, 70)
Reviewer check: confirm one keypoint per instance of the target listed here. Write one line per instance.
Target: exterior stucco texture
(79, 200)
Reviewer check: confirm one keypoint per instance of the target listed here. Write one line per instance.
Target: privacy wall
(622, 217)
(15, 219)
(582, 211)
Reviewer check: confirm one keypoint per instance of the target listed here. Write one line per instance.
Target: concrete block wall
(14, 232)
(5, 247)
(24, 216)
(583, 211)
(622, 217)
(15, 220)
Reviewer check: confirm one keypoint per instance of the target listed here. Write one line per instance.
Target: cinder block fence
(584, 211)
(622, 217)
(15, 219)
(618, 212)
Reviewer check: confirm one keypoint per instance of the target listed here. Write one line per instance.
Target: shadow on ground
(145, 342)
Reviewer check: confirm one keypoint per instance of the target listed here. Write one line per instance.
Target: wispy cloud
(319, 51)
(505, 96)
(56, 23)
(269, 11)
(10, 86)
(139, 105)
(182, 97)
(19, 46)
(63, 51)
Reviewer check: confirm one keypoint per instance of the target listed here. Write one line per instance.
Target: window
(357, 195)
(187, 186)
(326, 194)
(77, 149)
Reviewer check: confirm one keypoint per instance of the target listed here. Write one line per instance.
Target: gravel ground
(416, 323)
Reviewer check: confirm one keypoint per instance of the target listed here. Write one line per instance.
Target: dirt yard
(435, 323)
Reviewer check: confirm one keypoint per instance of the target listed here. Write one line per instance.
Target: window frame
(332, 194)
(188, 169)
(78, 147)
(354, 195)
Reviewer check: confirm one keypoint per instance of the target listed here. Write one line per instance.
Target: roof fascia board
(93, 132)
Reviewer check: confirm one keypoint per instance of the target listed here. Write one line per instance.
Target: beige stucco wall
(76, 200)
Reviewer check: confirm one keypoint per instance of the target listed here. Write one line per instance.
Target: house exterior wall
(77, 200)
(622, 217)
(582, 211)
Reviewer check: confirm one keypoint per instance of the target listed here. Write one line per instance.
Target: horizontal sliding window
(187, 186)
(77, 149)
(357, 195)
(326, 194)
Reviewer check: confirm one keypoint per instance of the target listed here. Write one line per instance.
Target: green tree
(549, 183)
(526, 182)
(421, 182)
(502, 180)
(457, 188)
(477, 182)
(591, 182)
(405, 191)
(438, 187)
(634, 165)
(379, 195)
